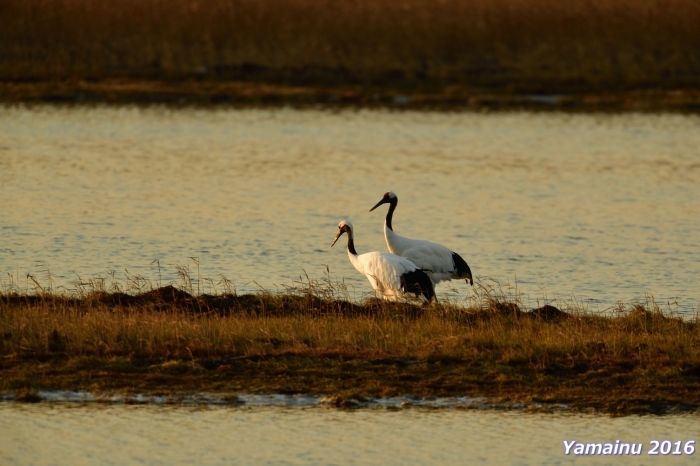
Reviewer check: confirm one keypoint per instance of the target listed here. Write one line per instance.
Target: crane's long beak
(336, 237)
(378, 204)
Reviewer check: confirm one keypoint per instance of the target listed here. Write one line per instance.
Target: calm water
(86, 434)
(593, 208)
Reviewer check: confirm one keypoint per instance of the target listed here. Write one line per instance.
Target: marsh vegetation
(312, 339)
(352, 50)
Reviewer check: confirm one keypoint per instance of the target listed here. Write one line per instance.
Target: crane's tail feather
(418, 283)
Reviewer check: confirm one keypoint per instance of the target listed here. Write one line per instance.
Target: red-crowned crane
(439, 262)
(391, 276)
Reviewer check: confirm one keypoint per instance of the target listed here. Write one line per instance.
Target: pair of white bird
(413, 266)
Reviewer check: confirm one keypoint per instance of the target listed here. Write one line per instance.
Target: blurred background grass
(537, 46)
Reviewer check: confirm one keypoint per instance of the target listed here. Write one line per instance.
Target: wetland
(180, 256)
(167, 292)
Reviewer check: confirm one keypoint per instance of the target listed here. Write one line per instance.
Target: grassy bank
(636, 359)
(421, 46)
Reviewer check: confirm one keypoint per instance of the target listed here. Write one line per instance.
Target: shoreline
(110, 385)
(244, 93)
(300, 401)
(248, 400)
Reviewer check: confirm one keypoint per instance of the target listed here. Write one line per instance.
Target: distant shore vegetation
(312, 339)
(357, 50)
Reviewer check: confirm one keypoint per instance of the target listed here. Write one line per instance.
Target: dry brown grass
(167, 322)
(311, 339)
(516, 45)
(106, 315)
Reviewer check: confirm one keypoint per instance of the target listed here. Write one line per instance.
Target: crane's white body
(395, 278)
(384, 271)
(435, 259)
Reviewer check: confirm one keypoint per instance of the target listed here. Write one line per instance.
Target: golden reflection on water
(126, 434)
(592, 207)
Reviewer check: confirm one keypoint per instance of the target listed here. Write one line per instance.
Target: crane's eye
(386, 194)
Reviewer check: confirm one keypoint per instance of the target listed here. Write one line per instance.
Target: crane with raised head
(438, 261)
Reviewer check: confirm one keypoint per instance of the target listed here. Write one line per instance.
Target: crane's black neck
(390, 214)
(351, 244)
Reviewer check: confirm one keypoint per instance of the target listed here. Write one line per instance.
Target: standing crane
(390, 275)
(438, 261)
